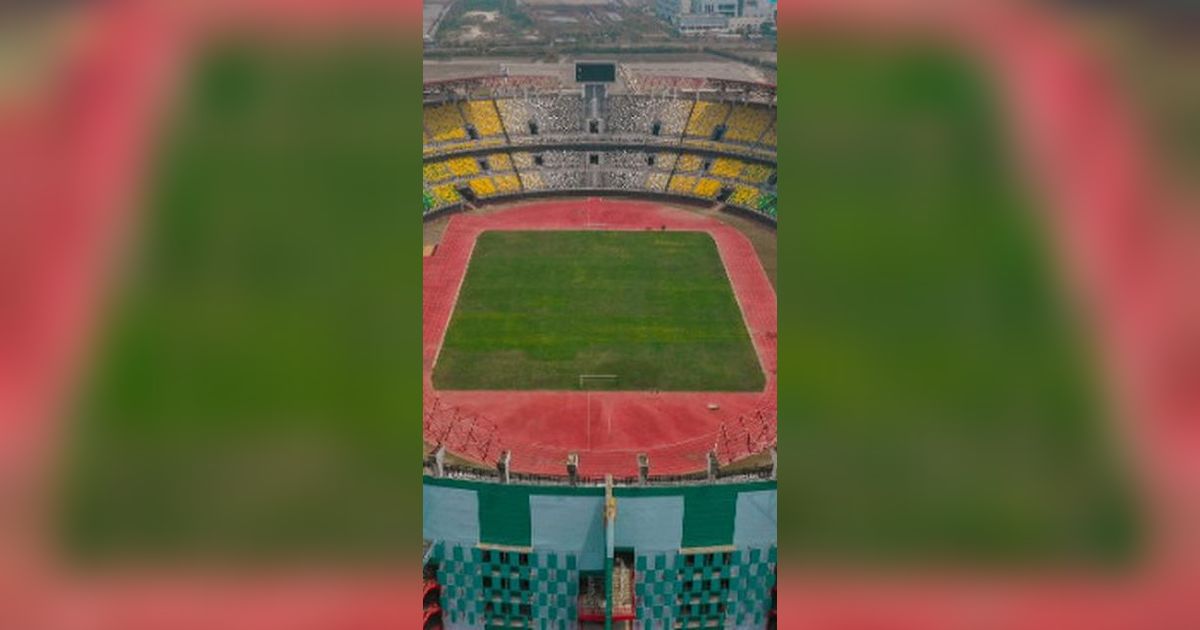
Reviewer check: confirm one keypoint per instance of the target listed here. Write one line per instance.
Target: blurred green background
(256, 394)
(938, 404)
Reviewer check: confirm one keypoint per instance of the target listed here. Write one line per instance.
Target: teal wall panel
(650, 524)
(451, 514)
(755, 520)
(574, 524)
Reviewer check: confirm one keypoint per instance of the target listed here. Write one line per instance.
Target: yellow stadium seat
(446, 194)
(726, 167)
(755, 173)
(463, 166)
(689, 163)
(436, 172)
(500, 162)
(483, 186)
(444, 122)
(706, 116)
(482, 114)
(746, 123)
(769, 137)
(744, 196)
(682, 184)
(707, 188)
(507, 184)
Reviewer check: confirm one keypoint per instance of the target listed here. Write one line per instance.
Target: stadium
(599, 350)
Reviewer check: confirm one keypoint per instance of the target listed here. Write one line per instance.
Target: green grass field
(538, 309)
(245, 399)
(937, 390)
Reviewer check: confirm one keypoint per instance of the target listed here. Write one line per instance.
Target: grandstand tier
(499, 137)
(737, 181)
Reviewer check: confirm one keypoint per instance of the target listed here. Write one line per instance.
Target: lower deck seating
(707, 188)
(748, 185)
(727, 168)
(682, 184)
(744, 197)
(507, 183)
(532, 180)
(483, 186)
(440, 197)
(755, 173)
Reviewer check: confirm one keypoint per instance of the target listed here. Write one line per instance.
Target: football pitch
(653, 309)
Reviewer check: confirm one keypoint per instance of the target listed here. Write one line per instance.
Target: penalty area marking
(587, 215)
(599, 377)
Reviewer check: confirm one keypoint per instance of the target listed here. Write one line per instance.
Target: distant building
(703, 16)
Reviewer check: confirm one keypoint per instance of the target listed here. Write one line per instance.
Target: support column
(610, 517)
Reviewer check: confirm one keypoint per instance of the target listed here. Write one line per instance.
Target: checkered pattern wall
(484, 588)
(711, 590)
(559, 529)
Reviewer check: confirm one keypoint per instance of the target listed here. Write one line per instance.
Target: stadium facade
(544, 555)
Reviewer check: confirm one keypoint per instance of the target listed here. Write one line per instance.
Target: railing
(761, 214)
(749, 434)
(480, 473)
(465, 434)
(580, 140)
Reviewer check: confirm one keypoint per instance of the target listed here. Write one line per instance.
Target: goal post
(605, 381)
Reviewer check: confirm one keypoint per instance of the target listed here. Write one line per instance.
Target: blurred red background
(73, 134)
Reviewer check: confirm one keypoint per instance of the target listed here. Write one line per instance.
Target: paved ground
(674, 65)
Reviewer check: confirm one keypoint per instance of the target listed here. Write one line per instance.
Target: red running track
(607, 429)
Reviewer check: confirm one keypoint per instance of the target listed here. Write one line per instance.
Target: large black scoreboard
(595, 72)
